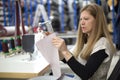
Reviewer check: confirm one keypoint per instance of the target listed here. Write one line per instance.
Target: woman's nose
(82, 22)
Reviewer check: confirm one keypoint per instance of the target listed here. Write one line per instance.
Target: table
(19, 66)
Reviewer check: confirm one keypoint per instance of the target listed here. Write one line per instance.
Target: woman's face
(87, 22)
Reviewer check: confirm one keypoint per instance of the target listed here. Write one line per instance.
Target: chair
(115, 75)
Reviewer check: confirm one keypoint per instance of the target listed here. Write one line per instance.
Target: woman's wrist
(67, 55)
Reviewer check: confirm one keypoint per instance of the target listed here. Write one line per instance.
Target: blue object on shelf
(12, 13)
(113, 23)
(62, 16)
(31, 10)
(75, 16)
(98, 2)
(0, 45)
(48, 8)
(26, 13)
(9, 13)
(4, 14)
(116, 35)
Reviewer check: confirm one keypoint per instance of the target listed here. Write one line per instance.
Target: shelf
(67, 35)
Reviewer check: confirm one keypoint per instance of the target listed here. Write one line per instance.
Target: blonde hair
(99, 30)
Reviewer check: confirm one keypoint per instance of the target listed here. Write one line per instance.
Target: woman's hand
(62, 47)
(47, 33)
(60, 44)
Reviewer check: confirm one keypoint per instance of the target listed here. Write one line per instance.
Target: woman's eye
(80, 19)
(83, 19)
(86, 18)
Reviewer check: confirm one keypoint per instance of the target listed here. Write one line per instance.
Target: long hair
(100, 30)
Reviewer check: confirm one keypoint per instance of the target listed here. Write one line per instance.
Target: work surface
(19, 66)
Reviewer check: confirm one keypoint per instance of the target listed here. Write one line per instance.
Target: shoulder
(102, 43)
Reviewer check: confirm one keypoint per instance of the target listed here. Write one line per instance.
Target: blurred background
(63, 15)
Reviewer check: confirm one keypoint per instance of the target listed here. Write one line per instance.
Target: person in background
(92, 54)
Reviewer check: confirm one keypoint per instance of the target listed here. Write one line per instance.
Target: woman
(93, 51)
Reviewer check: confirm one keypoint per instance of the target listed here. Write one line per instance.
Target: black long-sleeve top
(87, 70)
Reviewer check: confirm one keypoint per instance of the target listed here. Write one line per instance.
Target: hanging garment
(117, 29)
(117, 35)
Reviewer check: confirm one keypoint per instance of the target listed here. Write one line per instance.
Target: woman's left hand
(62, 47)
(60, 44)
